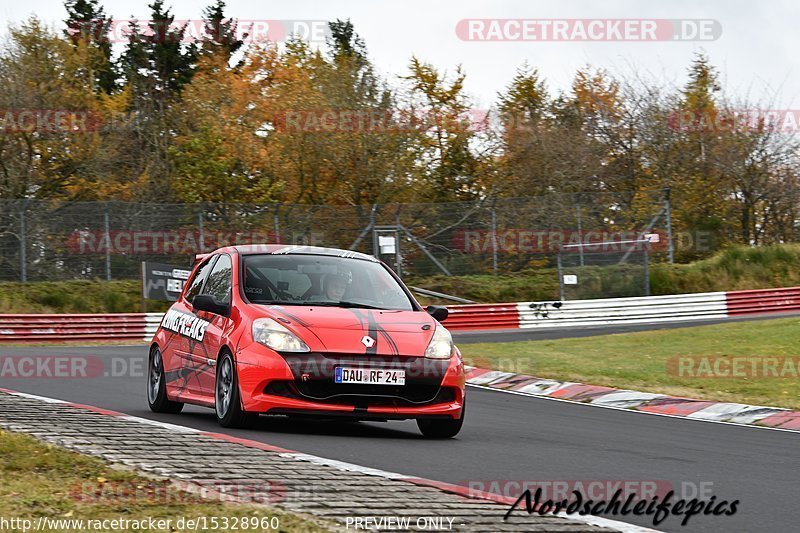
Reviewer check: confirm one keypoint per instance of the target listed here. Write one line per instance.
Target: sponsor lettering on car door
(187, 334)
(218, 286)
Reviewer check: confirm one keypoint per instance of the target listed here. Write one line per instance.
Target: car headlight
(274, 335)
(441, 345)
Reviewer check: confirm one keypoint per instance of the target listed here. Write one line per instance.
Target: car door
(218, 286)
(180, 359)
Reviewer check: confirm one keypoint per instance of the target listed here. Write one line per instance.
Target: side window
(219, 281)
(197, 281)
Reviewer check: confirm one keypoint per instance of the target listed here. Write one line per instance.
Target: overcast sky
(754, 52)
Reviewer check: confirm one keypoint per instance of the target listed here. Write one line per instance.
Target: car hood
(357, 331)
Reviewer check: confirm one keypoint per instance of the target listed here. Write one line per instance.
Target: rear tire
(157, 385)
(227, 398)
(442, 429)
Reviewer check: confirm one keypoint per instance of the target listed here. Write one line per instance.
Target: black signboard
(163, 282)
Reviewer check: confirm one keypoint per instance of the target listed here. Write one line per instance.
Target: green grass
(639, 361)
(41, 480)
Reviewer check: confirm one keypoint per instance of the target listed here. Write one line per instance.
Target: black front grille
(325, 390)
(359, 395)
(314, 372)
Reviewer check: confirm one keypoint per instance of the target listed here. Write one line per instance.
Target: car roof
(283, 249)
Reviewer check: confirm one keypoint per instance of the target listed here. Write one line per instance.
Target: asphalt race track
(505, 437)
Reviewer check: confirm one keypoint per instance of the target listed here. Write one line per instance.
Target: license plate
(369, 376)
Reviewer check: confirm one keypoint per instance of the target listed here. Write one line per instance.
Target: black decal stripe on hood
(369, 325)
(375, 330)
(390, 340)
(372, 328)
(292, 316)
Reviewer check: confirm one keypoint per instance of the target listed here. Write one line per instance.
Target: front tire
(442, 429)
(157, 385)
(227, 398)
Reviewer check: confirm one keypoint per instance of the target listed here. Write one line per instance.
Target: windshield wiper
(347, 305)
(277, 302)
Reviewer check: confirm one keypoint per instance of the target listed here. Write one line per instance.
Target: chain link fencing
(53, 240)
(620, 270)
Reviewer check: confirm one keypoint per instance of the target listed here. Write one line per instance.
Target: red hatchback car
(302, 330)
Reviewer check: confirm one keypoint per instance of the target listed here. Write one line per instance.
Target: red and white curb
(340, 465)
(645, 402)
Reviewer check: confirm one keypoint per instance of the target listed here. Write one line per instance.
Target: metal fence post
(646, 269)
(580, 225)
(366, 230)
(494, 241)
(23, 263)
(202, 242)
(398, 267)
(276, 224)
(668, 209)
(560, 277)
(108, 244)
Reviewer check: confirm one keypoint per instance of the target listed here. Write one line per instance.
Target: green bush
(78, 296)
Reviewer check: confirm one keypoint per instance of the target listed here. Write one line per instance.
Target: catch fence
(54, 240)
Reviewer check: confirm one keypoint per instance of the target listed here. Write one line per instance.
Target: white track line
(623, 527)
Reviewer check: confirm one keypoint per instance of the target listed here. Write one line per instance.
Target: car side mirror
(438, 312)
(206, 302)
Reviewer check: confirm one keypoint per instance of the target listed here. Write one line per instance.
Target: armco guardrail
(763, 301)
(483, 316)
(94, 327)
(622, 310)
(577, 313)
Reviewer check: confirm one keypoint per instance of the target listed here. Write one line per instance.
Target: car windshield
(321, 280)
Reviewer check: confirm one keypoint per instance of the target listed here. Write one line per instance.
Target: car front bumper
(302, 384)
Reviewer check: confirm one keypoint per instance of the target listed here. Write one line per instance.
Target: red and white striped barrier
(763, 301)
(612, 311)
(86, 328)
(519, 315)
(483, 316)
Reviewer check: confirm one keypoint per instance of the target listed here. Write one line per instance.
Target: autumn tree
(446, 163)
(220, 153)
(221, 37)
(157, 64)
(88, 25)
(697, 182)
(42, 74)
